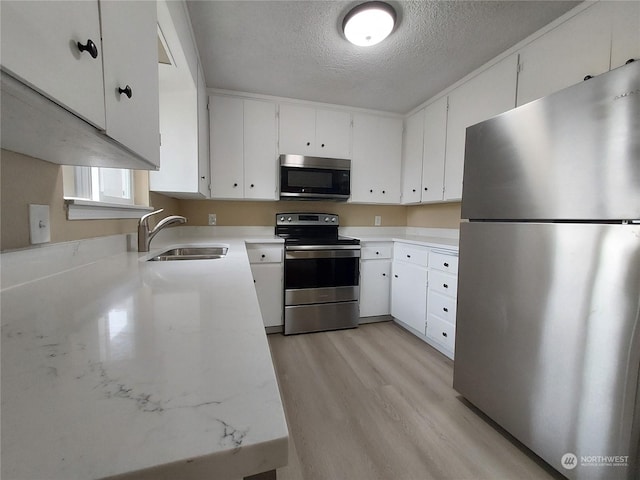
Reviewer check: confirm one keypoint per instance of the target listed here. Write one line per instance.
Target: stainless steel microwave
(314, 178)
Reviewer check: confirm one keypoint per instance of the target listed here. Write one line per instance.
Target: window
(101, 193)
(108, 185)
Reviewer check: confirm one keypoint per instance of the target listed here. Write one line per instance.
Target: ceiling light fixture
(369, 23)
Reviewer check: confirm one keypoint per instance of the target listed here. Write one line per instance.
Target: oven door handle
(306, 254)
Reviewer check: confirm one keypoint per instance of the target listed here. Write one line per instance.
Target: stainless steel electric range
(321, 273)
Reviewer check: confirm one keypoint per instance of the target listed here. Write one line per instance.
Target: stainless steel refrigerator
(548, 319)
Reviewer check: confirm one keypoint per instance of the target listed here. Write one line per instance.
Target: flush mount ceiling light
(369, 23)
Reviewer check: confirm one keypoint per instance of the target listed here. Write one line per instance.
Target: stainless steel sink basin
(190, 253)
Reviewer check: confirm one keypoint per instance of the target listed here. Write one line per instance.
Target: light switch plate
(39, 224)
(377, 220)
(212, 219)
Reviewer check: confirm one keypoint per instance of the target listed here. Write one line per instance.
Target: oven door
(310, 182)
(321, 274)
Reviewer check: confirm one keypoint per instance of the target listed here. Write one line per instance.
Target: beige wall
(239, 213)
(441, 215)
(25, 180)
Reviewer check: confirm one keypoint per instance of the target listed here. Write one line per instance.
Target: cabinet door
(566, 54)
(375, 287)
(625, 41)
(484, 96)
(130, 45)
(297, 130)
(39, 47)
(268, 281)
(435, 137)
(260, 151)
(413, 143)
(226, 116)
(333, 134)
(203, 137)
(409, 295)
(377, 152)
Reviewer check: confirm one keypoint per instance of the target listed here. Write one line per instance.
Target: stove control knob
(289, 219)
(282, 219)
(326, 219)
(333, 219)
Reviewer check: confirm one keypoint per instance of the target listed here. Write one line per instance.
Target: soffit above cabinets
(296, 48)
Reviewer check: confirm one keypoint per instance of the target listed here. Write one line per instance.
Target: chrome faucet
(145, 235)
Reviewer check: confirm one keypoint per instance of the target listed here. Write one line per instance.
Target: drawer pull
(408, 256)
(263, 255)
(90, 47)
(444, 334)
(396, 276)
(445, 285)
(377, 253)
(126, 90)
(445, 309)
(384, 274)
(446, 264)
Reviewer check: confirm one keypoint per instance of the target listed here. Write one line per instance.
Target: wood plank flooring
(377, 403)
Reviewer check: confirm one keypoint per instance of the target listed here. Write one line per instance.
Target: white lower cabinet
(267, 269)
(409, 286)
(441, 300)
(375, 279)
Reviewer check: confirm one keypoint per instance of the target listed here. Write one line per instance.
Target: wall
(25, 180)
(240, 213)
(441, 215)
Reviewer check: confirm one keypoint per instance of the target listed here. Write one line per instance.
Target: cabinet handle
(444, 334)
(235, 185)
(446, 264)
(408, 256)
(308, 143)
(414, 190)
(445, 285)
(396, 276)
(426, 188)
(383, 191)
(445, 309)
(322, 145)
(377, 253)
(202, 177)
(126, 90)
(588, 77)
(89, 47)
(262, 256)
(384, 274)
(251, 186)
(370, 191)
(629, 61)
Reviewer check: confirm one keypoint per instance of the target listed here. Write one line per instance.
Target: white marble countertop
(157, 368)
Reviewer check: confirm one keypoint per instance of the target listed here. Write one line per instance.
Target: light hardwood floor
(377, 403)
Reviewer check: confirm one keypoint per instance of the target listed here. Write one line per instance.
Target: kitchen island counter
(123, 367)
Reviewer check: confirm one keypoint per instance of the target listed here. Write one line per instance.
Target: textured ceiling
(296, 48)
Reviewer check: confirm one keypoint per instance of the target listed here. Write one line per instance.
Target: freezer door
(548, 341)
(572, 155)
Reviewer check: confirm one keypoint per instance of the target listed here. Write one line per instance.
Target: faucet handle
(146, 216)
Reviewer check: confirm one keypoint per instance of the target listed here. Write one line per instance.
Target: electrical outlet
(377, 220)
(212, 219)
(39, 224)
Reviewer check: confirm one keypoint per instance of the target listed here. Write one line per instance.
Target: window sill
(80, 209)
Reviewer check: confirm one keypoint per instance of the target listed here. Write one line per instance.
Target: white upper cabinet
(184, 155)
(412, 145)
(39, 47)
(260, 150)
(314, 131)
(376, 164)
(433, 160)
(130, 45)
(565, 55)
(625, 40)
(243, 148)
(487, 94)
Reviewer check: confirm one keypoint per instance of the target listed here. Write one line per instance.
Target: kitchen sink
(190, 253)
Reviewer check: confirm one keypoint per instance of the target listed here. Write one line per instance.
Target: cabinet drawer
(443, 261)
(415, 254)
(441, 332)
(375, 250)
(443, 283)
(264, 254)
(443, 306)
